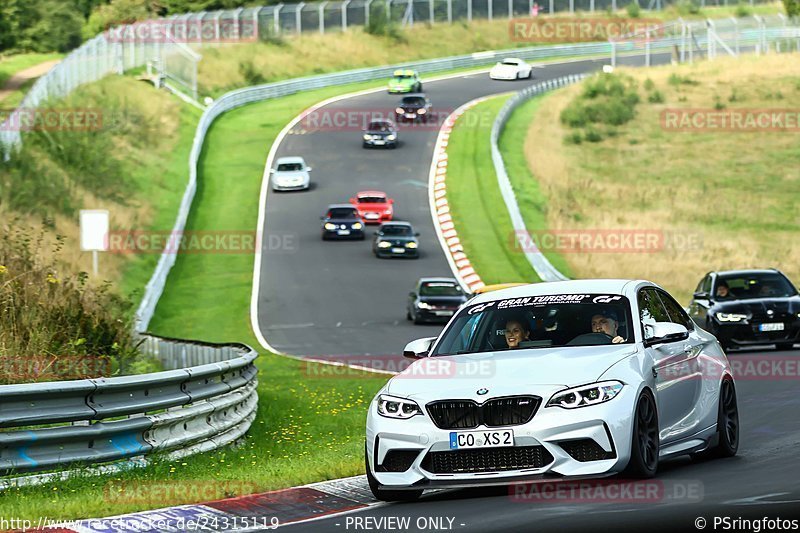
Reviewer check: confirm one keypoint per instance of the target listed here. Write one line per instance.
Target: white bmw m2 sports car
(574, 379)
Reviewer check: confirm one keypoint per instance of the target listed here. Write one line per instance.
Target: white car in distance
(290, 174)
(511, 68)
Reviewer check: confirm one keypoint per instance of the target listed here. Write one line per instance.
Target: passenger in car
(516, 331)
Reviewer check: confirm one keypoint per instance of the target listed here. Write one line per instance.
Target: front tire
(388, 495)
(643, 463)
(727, 421)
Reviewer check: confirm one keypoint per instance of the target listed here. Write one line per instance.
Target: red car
(373, 206)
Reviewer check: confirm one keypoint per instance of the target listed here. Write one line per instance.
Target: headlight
(411, 245)
(384, 244)
(422, 111)
(399, 110)
(357, 225)
(731, 317)
(423, 305)
(330, 226)
(585, 395)
(367, 137)
(391, 137)
(392, 407)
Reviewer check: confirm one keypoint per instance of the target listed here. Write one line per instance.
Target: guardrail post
(613, 52)
(647, 46)
(510, 9)
(572, 6)
(591, 6)
(469, 10)
(431, 16)
(489, 8)
(552, 7)
(613, 5)
(450, 11)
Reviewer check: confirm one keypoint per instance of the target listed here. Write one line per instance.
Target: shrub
(633, 9)
(743, 10)
(675, 80)
(688, 7)
(574, 137)
(593, 135)
(250, 74)
(792, 7)
(649, 85)
(656, 97)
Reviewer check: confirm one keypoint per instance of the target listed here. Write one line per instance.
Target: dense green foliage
(607, 99)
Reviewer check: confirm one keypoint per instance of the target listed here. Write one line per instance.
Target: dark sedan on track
(748, 308)
(412, 108)
(434, 300)
(380, 134)
(342, 221)
(396, 239)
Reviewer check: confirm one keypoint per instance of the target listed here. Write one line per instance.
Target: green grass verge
(532, 201)
(10, 65)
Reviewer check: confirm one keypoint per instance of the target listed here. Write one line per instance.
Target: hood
(411, 107)
(380, 132)
(539, 371)
(374, 207)
(342, 220)
(761, 307)
(398, 239)
(289, 175)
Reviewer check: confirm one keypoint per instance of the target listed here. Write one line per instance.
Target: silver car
(582, 378)
(290, 174)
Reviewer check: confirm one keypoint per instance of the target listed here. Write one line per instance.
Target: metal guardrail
(209, 399)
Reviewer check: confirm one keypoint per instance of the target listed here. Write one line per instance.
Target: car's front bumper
(742, 335)
(371, 218)
(379, 143)
(608, 425)
(335, 234)
(289, 186)
(390, 252)
(504, 77)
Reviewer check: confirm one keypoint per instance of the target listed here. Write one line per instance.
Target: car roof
(512, 59)
(396, 223)
(341, 206)
(748, 271)
(437, 280)
(404, 72)
(370, 193)
(581, 286)
(289, 159)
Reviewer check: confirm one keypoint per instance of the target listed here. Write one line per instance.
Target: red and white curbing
(440, 209)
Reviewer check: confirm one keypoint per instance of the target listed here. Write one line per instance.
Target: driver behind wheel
(606, 322)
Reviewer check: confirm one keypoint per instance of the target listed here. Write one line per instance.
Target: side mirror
(272, 171)
(701, 296)
(308, 169)
(391, 200)
(412, 294)
(665, 332)
(352, 200)
(419, 348)
(322, 218)
(416, 234)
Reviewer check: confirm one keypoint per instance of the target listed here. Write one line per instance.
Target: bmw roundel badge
(481, 392)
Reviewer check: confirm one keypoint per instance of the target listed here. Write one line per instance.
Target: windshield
(396, 230)
(402, 79)
(371, 200)
(440, 288)
(539, 322)
(510, 62)
(757, 285)
(379, 126)
(342, 212)
(290, 167)
(413, 100)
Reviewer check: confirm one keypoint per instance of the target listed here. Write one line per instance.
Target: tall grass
(48, 312)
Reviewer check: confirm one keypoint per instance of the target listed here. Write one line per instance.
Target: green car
(405, 81)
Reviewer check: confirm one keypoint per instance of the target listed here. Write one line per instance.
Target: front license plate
(343, 232)
(771, 326)
(398, 250)
(379, 142)
(481, 439)
(410, 115)
(443, 313)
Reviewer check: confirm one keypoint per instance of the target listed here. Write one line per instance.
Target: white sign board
(94, 230)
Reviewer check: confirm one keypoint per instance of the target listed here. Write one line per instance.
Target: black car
(434, 300)
(342, 221)
(748, 308)
(380, 133)
(412, 108)
(396, 239)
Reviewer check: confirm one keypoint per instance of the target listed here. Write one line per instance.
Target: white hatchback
(290, 174)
